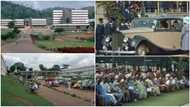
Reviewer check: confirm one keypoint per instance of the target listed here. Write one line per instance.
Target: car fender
(137, 40)
(155, 49)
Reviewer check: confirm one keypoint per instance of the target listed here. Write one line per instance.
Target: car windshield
(142, 23)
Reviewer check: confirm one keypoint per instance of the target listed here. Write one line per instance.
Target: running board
(117, 52)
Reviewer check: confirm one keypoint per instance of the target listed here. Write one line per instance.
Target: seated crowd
(115, 88)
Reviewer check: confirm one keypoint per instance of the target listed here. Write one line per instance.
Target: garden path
(61, 99)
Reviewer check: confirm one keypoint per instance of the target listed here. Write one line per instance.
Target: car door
(166, 34)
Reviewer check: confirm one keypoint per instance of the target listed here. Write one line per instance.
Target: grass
(14, 93)
(66, 43)
(177, 98)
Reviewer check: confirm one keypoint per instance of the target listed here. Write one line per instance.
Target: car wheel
(142, 49)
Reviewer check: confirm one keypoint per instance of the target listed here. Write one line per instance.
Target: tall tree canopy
(18, 66)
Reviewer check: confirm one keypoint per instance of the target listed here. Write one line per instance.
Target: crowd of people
(115, 88)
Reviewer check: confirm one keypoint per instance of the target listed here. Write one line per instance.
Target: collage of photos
(95, 53)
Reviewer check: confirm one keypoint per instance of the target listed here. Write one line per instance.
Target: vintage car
(156, 35)
(150, 36)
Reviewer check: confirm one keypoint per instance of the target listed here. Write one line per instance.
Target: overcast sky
(48, 59)
(42, 4)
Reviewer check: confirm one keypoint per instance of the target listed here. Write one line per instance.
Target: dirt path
(22, 45)
(60, 99)
(84, 94)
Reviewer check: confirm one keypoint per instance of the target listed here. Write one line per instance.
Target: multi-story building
(71, 20)
(79, 16)
(58, 16)
(80, 69)
(39, 22)
(18, 22)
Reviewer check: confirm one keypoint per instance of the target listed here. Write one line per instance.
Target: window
(169, 25)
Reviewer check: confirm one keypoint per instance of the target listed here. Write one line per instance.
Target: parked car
(150, 36)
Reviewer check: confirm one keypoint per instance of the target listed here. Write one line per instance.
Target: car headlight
(104, 47)
(107, 39)
(133, 43)
(125, 40)
(126, 47)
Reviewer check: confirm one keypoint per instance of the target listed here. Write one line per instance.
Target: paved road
(22, 45)
(61, 99)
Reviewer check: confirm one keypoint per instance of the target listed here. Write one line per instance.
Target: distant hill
(10, 10)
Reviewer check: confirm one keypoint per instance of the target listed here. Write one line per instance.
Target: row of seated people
(118, 88)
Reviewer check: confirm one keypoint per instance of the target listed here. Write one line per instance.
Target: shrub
(40, 36)
(11, 24)
(91, 39)
(41, 46)
(46, 37)
(16, 30)
(9, 34)
(35, 35)
(58, 30)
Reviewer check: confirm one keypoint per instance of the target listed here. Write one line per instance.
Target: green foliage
(55, 67)
(91, 39)
(9, 34)
(67, 43)
(12, 11)
(112, 10)
(178, 98)
(14, 93)
(11, 24)
(40, 36)
(42, 67)
(58, 30)
(16, 30)
(19, 66)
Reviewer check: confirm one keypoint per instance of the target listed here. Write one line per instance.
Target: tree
(42, 67)
(65, 66)
(30, 69)
(18, 66)
(56, 67)
(117, 9)
(11, 24)
(112, 10)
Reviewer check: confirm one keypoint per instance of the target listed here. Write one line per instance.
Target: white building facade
(79, 16)
(39, 22)
(58, 16)
(18, 22)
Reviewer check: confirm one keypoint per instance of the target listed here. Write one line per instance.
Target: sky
(49, 59)
(40, 5)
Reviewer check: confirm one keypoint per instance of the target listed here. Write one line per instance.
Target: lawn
(14, 94)
(177, 98)
(66, 43)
